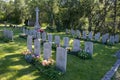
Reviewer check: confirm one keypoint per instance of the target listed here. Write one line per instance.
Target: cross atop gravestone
(37, 25)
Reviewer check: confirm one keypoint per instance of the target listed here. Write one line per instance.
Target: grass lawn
(14, 67)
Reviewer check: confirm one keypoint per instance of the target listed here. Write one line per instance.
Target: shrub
(84, 55)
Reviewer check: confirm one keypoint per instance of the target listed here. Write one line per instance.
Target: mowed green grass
(14, 67)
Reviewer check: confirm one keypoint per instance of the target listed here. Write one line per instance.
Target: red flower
(40, 30)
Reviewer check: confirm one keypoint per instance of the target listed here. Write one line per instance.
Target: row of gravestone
(106, 38)
(8, 34)
(61, 53)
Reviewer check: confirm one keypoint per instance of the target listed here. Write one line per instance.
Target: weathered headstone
(84, 35)
(29, 43)
(57, 40)
(89, 47)
(47, 50)
(112, 40)
(61, 59)
(76, 45)
(104, 39)
(78, 33)
(66, 42)
(67, 31)
(38, 35)
(73, 32)
(44, 36)
(117, 38)
(90, 35)
(8, 34)
(97, 36)
(50, 38)
(37, 47)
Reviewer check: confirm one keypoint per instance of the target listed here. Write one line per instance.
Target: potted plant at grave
(28, 55)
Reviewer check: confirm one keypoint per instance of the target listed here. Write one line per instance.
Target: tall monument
(37, 25)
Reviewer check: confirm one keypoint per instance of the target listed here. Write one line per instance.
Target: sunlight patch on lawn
(18, 67)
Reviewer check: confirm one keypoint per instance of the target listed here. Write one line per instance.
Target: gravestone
(44, 36)
(61, 59)
(90, 35)
(24, 30)
(76, 45)
(37, 47)
(104, 39)
(34, 34)
(50, 37)
(29, 43)
(8, 34)
(97, 36)
(78, 34)
(57, 40)
(112, 40)
(47, 50)
(116, 38)
(66, 42)
(67, 31)
(89, 47)
(39, 35)
(84, 35)
(73, 32)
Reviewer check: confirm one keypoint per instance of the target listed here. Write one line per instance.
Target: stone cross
(37, 25)
(61, 59)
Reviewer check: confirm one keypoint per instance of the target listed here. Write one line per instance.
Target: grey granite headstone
(97, 36)
(29, 43)
(50, 38)
(90, 35)
(61, 59)
(78, 33)
(117, 38)
(73, 32)
(89, 47)
(104, 39)
(47, 50)
(44, 36)
(57, 40)
(38, 35)
(76, 45)
(37, 47)
(112, 40)
(67, 31)
(66, 42)
(84, 35)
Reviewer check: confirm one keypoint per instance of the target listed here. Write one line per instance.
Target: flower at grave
(26, 52)
(36, 56)
(44, 63)
(48, 62)
(40, 30)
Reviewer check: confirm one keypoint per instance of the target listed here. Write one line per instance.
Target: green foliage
(6, 40)
(84, 55)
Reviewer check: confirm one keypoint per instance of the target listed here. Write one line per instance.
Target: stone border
(112, 71)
